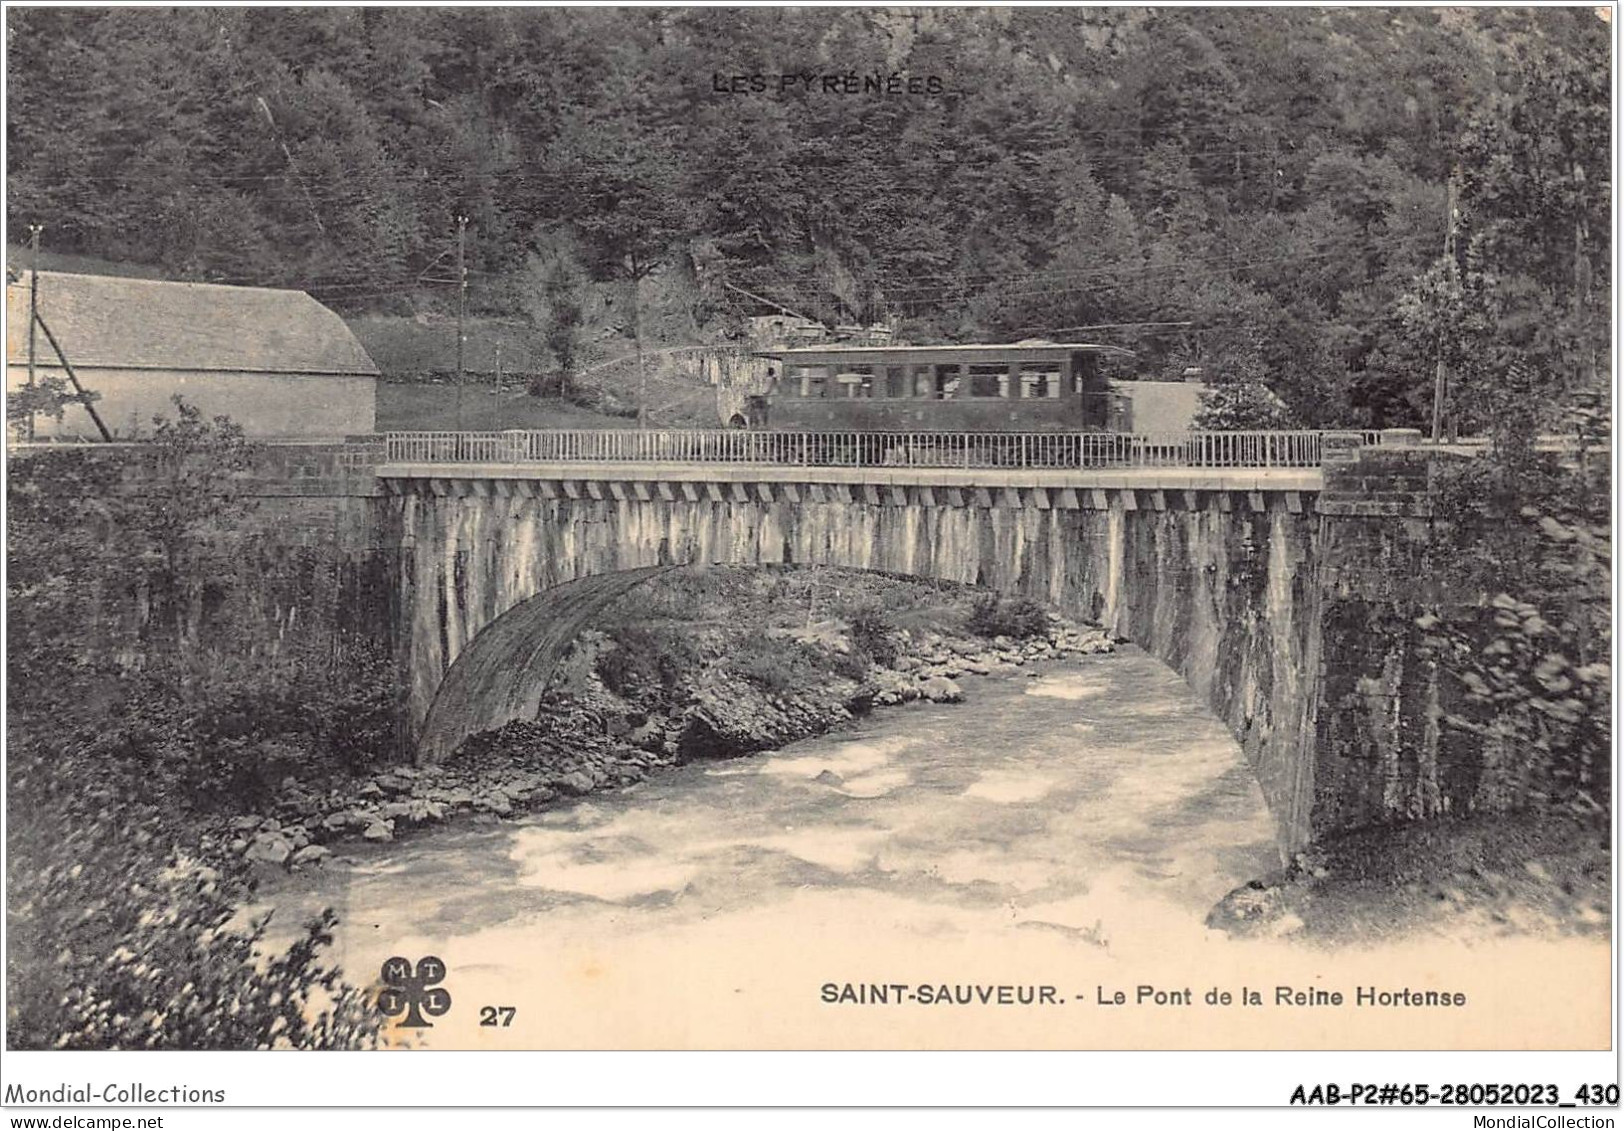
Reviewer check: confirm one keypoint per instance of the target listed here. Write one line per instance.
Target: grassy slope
(430, 408)
(18, 259)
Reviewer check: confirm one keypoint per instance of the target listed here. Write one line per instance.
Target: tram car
(1045, 387)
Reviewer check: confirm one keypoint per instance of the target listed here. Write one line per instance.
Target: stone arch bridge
(1250, 581)
(1277, 580)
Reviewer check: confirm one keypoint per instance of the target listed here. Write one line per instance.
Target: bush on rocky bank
(118, 932)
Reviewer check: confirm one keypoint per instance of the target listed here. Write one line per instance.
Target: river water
(1068, 826)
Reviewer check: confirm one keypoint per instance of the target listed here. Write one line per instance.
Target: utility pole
(1440, 384)
(462, 307)
(1274, 171)
(33, 314)
(83, 393)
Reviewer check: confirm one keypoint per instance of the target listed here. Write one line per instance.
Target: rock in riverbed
(269, 848)
(940, 689)
(310, 854)
(575, 784)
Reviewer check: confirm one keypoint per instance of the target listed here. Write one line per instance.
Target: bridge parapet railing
(866, 449)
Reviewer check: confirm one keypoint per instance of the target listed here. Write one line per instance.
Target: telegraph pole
(462, 307)
(1440, 384)
(33, 312)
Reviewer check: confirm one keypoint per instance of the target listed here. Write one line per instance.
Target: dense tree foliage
(1276, 177)
(1240, 406)
(126, 736)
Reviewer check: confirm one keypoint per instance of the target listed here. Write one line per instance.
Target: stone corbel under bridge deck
(1155, 489)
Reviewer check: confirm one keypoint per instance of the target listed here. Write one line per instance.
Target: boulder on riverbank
(732, 716)
(269, 848)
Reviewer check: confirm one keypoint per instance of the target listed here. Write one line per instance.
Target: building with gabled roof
(277, 362)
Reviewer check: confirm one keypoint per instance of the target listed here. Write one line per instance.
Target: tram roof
(968, 354)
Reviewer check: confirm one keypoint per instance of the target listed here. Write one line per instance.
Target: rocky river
(1058, 838)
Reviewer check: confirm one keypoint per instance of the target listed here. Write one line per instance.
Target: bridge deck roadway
(1307, 479)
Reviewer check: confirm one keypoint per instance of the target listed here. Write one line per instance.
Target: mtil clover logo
(409, 992)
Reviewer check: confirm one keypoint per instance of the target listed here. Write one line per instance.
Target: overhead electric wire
(575, 171)
(1014, 285)
(953, 278)
(1225, 265)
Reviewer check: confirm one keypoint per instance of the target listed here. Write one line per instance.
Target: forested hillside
(1279, 178)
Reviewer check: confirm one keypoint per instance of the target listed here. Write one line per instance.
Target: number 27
(488, 1015)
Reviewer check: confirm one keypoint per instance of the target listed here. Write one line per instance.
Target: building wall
(1161, 406)
(267, 405)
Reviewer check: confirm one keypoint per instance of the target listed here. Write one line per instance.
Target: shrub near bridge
(646, 664)
(221, 741)
(873, 633)
(117, 911)
(1019, 618)
(777, 666)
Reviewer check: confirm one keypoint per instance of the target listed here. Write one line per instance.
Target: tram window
(948, 382)
(1039, 381)
(896, 382)
(815, 386)
(988, 380)
(855, 383)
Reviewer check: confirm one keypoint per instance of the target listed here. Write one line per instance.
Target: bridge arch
(1226, 596)
(503, 672)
